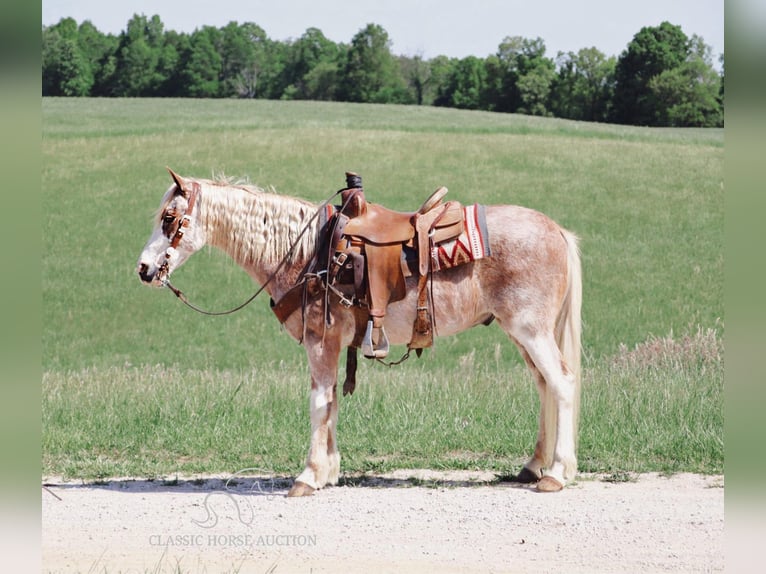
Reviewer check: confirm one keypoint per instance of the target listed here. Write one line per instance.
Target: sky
(422, 27)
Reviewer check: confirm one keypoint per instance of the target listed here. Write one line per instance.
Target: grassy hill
(647, 204)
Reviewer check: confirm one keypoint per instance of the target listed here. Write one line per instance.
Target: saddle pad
(470, 245)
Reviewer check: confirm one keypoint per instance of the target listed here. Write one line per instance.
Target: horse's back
(521, 225)
(525, 272)
(523, 239)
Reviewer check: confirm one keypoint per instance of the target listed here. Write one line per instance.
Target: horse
(530, 285)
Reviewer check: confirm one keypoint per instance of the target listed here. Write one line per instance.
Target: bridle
(162, 272)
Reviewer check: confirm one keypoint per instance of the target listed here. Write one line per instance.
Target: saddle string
(326, 271)
(394, 363)
(330, 250)
(178, 293)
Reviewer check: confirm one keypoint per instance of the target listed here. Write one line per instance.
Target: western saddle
(374, 238)
(374, 249)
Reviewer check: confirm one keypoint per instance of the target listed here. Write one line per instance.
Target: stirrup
(370, 350)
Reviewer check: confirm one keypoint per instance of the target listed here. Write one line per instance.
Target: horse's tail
(568, 322)
(568, 332)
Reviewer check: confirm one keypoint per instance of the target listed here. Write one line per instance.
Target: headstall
(162, 273)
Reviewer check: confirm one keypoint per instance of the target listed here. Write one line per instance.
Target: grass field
(135, 383)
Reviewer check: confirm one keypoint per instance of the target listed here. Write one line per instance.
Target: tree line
(662, 78)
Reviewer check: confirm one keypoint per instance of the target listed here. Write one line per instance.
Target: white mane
(256, 226)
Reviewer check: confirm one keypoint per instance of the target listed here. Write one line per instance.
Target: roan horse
(531, 285)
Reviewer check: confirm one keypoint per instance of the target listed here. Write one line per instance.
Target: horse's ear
(178, 181)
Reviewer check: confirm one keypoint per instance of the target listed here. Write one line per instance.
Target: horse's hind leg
(554, 460)
(323, 460)
(533, 469)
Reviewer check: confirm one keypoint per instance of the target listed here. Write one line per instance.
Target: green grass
(77, 117)
(135, 383)
(655, 408)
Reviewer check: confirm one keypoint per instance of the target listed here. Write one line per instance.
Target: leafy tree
(272, 74)
(370, 72)
(465, 85)
(134, 65)
(662, 78)
(584, 85)
(311, 67)
(201, 64)
(688, 95)
(652, 51)
(137, 57)
(496, 97)
(55, 71)
(67, 70)
(244, 55)
(98, 50)
(534, 89)
(520, 76)
(321, 82)
(417, 73)
(441, 74)
(166, 79)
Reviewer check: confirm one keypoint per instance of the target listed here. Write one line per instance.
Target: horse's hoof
(549, 484)
(526, 476)
(300, 489)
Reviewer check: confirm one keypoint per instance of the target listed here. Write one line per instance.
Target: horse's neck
(258, 229)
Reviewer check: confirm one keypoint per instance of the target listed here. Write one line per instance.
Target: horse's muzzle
(145, 273)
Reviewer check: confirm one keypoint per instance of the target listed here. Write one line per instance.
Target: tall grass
(657, 407)
(155, 378)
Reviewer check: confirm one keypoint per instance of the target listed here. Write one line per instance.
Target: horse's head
(176, 234)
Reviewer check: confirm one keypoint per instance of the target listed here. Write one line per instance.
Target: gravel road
(407, 521)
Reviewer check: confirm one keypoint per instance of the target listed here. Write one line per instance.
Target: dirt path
(408, 521)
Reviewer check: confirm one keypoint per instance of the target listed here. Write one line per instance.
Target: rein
(179, 234)
(178, 293)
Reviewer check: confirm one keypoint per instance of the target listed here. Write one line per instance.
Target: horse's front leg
(323, 460)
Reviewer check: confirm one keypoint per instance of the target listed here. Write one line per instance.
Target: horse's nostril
(143, 273)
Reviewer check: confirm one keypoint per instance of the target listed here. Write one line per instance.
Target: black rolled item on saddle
(353, 180)
(353, 203)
